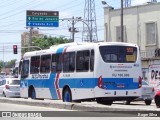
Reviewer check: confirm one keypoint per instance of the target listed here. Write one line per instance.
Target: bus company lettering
(120, 66)
(40, 76)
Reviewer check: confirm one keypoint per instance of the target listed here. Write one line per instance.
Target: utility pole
(74, 21)
(122, 21)
(73, 29)
(153, 1)
(4, 68)
(30, 38)
(127, 3)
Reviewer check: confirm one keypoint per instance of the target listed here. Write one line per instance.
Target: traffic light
(15, 49)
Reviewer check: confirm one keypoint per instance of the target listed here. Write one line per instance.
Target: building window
(118, 34)
(151, 33)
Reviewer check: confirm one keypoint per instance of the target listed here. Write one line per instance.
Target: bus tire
(127, 102)
(157, 101)
(4, 95)
(77, 101)
(67, 96)
(32, 92)
(148, 102)
(104, 102)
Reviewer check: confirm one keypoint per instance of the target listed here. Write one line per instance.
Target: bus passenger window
(69, 62)
(34, 67)
(82, 61)
(25, 69)
(59, 63)
(56, 65)
(53, 63)
(45, 63)
(92, 60)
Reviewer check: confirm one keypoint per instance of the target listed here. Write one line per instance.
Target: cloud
(139, 2)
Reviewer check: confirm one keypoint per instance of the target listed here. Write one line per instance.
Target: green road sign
(42, 18)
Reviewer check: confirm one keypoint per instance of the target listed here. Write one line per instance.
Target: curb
(63, 105)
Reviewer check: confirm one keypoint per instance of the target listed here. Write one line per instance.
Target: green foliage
(9, 64)
(1, 65)
(46, 42)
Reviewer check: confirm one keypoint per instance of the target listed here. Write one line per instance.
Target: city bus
(16, 70)
(102, 72)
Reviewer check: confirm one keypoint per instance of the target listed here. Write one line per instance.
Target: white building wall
(135, 19)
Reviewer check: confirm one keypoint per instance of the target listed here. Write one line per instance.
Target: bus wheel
(148, 102)
(104, 102)
(127, 102)
(157, 101)
(33, 94)
(67, 96)
(4, 95)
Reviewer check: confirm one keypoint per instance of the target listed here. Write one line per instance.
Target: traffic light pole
(73, 30)
(30, 38)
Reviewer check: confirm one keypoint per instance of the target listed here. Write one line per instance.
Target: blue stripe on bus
(52, 86)
(60, 50)
(119, 83)
(110, 83)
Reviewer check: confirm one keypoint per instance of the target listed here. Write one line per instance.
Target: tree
(11, 63)
(46, 42)
(1, 65)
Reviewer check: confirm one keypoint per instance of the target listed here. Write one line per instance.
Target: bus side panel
(23, 89)
(44, 88)
(80, 83)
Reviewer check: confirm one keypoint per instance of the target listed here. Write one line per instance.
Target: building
(141, 26)
(25, 38)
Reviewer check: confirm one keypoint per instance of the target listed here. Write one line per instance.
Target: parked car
(10, 87)
(157, 97)
(147, 94)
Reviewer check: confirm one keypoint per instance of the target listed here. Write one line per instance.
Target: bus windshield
(118, 54)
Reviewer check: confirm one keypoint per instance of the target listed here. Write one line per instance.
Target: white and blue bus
(104, 72)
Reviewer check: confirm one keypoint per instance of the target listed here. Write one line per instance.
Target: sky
(13, 20)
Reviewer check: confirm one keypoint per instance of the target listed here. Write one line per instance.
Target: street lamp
(90, 33)
(105, 3)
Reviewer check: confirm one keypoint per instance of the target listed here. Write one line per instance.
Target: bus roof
(54, 48)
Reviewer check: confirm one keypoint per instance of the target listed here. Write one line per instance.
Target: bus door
(84, 74)
(24, 76)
